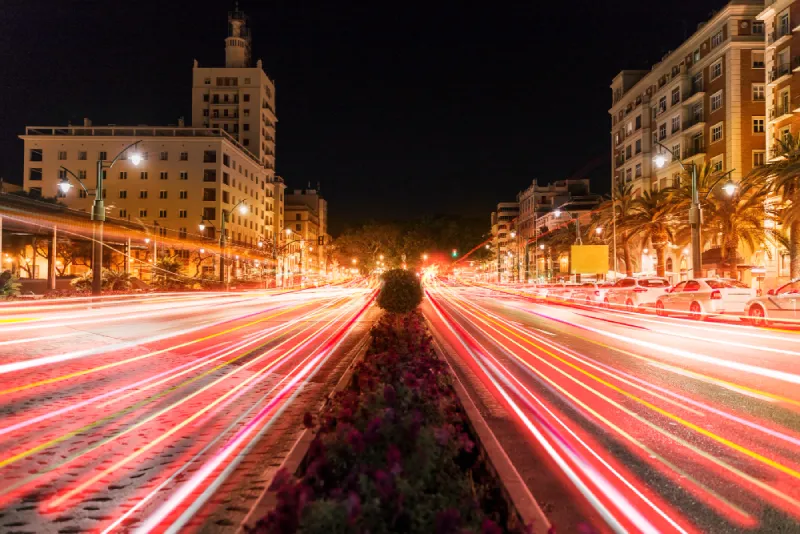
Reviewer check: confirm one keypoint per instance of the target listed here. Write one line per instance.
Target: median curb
(515, 490)
(268, 499)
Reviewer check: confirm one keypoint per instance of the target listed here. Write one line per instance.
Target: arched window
(669, 265)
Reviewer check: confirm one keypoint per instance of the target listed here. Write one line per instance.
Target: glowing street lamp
(354, 261)
(598, 230)
(202, 227)
(424, 257)
(136, 158)
(64, 186)
(729, 188)
(557, 212)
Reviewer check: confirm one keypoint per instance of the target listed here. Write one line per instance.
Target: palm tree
(782, 176)
(622, 204)
(653, 219)
(738, 218)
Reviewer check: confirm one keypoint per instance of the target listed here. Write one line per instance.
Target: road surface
(146, 413)
(631, 422)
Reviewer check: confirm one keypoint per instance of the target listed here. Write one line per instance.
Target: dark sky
(399, 109)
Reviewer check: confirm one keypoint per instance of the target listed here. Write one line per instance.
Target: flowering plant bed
(393, 452)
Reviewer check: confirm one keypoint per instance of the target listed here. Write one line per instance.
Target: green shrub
(401, 291)
(111, 281)
(9, 285)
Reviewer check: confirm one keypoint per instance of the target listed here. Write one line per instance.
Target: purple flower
(373, 429)
(389, 394)
(384, 484)
(490, 527)
(442, 435)
(356, 440)
(447, 521)
(394, 460)
(353, 506)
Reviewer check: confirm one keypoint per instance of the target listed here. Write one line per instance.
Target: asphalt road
(134, 414)
(630, 422)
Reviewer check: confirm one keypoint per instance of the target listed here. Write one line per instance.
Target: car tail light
(596, 293)
(716, 295)
(639, 290)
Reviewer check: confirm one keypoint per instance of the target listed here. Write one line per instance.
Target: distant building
(504, 246)
(188, 175)
(307, 218)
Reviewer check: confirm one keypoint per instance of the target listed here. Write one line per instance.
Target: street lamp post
(695, 211)
(99, 212)
(242, 209)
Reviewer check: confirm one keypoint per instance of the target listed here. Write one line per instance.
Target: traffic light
(455, 253)
(321, 240)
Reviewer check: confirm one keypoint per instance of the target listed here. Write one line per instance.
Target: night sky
(398, 109)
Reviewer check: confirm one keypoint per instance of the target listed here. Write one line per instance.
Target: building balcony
(693, 152)
(779, 37)
(694, 125)
(780, 73)
(779, 113)
(619, 161)
(694, 95)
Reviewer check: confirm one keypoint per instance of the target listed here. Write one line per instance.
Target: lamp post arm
(80, 183)
(718, 180)
(113, 161)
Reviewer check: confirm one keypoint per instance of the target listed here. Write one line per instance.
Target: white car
(590, 293)
(701, 298)
(782, 304)
(636, 294)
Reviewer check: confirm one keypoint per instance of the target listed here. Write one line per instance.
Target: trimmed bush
(392, 453)
(9, 285)
(401, 291)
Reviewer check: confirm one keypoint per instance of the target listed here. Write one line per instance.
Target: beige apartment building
(307, 218)
(504, 221)
(705, 101)
(187, 176)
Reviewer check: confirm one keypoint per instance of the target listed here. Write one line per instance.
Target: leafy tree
(401, 291)
(9, 285)
(167, 273)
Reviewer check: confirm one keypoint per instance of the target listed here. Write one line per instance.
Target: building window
(662, 105)
(246, 97)
(183, 195)
(758, 27)
(142, 213)
(123, 193)
(758, 58)
(638, 145)
(298, 227)
(184, 175)
(36, 154)
(35, 174)
(676, 96)
(226, 160)
(81, 193)
(759, 157)
(246, 142)
(676, 123)
(209, 194)
(207, 81)
(783, 24)
(101, 155)
(716, 132)
(246, 127)
(758, 92)
(716, 70)
(162, 194)
(209, 156)
(786, 134)
(123, 214)
(142, 194)
(163, 156)
(716, 39)
(628, 153)
(162, 214)
(62, 155)
(225, 197)
(164, 175)
(123, 175)
(638, 172)
(143, 175)
(184, 156)
(662, 131)
(182, 235)
(716, 101)
(81, 174)
(82, 155)
(226, 178)
(676, 152)
(182, 214)
(209, 175)
(716, 164)
(210, 214)
(758, 124)
(628, 175)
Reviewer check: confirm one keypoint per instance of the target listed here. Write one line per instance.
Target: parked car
(636, 294)
(778, 305)
(590, 293)
(701, 298)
